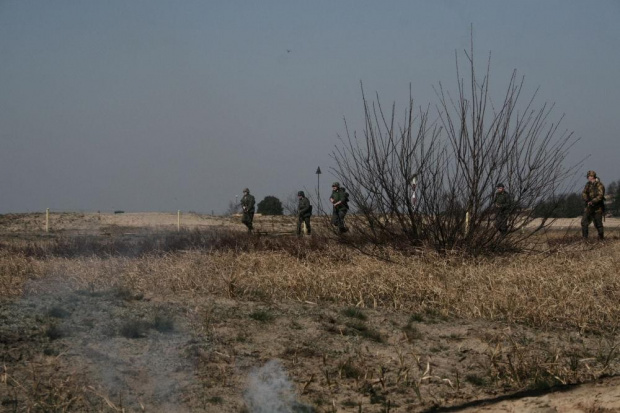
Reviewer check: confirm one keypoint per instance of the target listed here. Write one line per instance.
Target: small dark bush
(264, 316)
(134, 329)
(270, 206)
(215, 400)
(354, 312)
(54, 332)
(363, 330)
(418, 318)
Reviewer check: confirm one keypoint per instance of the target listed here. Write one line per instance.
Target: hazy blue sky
(152, 105)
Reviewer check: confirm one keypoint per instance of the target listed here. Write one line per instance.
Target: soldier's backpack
(345, 197)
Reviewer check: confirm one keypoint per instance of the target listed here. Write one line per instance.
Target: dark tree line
(572, 205)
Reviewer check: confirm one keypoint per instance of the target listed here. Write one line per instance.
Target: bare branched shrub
(423, 180)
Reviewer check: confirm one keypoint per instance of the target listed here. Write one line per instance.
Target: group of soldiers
(339, 199)
(593, 195)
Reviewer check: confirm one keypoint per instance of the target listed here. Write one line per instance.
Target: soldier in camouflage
(341, 207)
(594, 197)
(247, 204)
(501, 202)
(304, 212)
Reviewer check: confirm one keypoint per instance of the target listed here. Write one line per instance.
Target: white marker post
(179, 220)
(466, 222)
(47, 220)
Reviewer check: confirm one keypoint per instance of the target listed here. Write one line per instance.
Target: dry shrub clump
(577, 287)
(14, 270)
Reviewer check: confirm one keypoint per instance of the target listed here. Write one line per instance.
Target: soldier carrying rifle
(340, 201)
(247, 203)
(594, 197)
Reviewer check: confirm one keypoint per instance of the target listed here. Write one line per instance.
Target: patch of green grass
(264, 316)
(215, 400)
(58, 312)
(163, 323)
(366, 332)
(354, 312)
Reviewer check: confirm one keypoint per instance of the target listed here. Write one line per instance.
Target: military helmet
(499, 185)
(301, 193)
(246, 190)
(336, 184)
(591, 174)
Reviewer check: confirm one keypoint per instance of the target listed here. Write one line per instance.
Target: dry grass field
(121, 312)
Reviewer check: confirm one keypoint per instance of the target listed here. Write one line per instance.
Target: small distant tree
(270, 206)
(232, 209)
(291, 203)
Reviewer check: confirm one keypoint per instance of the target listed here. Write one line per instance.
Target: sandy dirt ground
(599, 397)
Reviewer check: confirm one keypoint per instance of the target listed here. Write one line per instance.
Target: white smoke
(270, 391)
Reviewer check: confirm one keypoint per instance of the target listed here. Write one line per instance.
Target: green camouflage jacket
(502, 201)
(304, 209)
(594, 192)
(339, 196)
(247, 202)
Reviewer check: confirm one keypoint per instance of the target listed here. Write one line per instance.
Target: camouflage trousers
(338, 218)
(248, 217)
(501, 222)
(303, 220)
(589, 215)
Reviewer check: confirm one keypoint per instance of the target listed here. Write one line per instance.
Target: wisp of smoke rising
(270, 391)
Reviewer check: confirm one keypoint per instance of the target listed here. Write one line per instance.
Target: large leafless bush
(455, 152)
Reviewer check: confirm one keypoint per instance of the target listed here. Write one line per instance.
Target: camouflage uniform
(247, 204)
(304, 212)
(338, 197)
(594, 197)
(502, 210)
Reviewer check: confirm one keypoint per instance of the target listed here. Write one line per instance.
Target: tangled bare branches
(432, 180)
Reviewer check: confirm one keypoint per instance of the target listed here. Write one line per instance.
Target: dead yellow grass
(576, 287)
